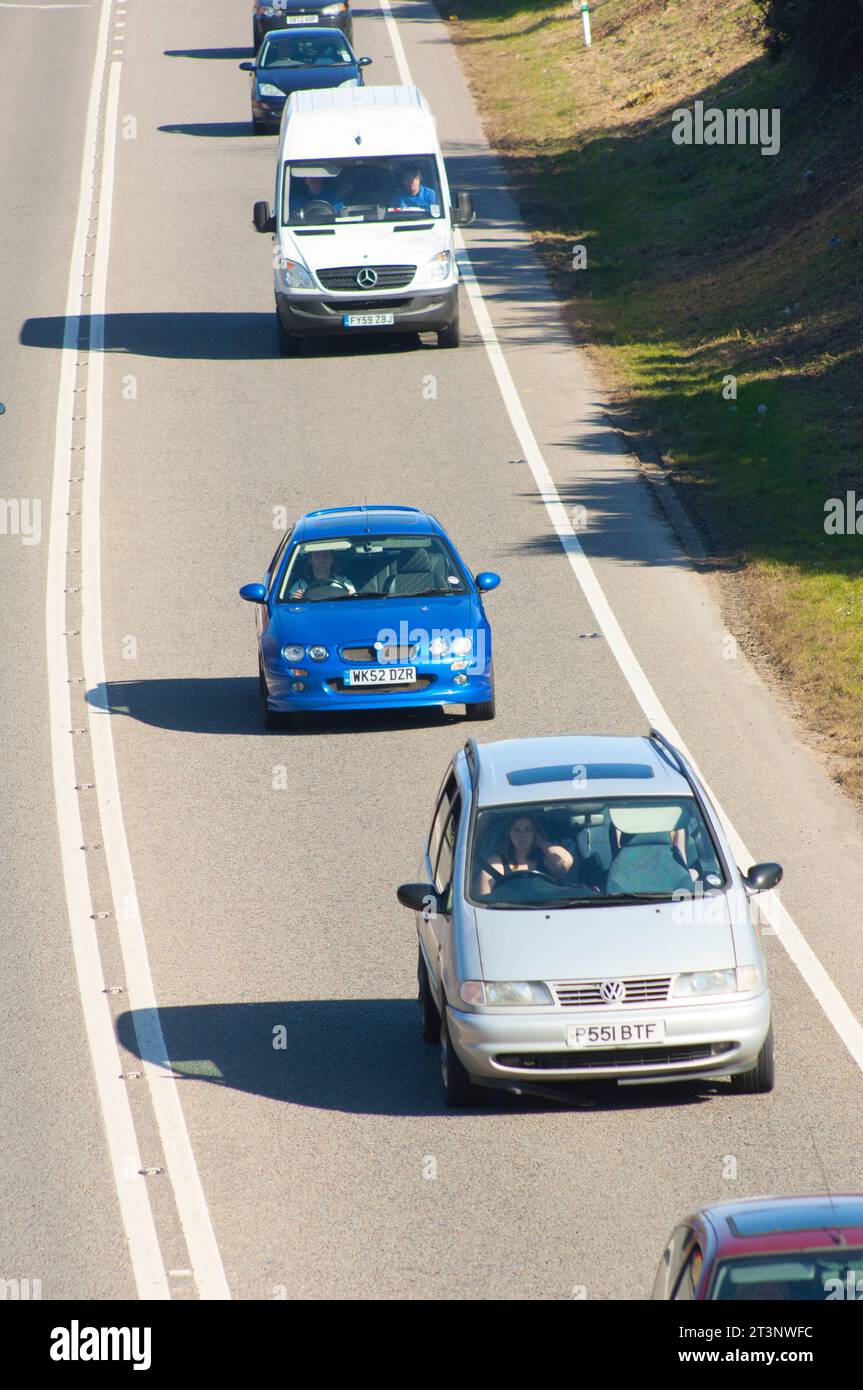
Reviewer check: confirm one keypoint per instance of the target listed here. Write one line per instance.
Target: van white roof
(388, 120)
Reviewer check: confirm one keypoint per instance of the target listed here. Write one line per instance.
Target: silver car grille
(587, 994)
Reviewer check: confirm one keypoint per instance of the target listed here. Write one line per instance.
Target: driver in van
(320, 571)
(524, 847)
(313, 192)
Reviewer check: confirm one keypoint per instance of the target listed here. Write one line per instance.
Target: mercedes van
(362, 219)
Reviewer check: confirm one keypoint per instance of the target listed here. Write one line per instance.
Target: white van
(362, 220)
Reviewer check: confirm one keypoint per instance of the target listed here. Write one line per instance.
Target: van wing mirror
(263, 218)
(463, 211)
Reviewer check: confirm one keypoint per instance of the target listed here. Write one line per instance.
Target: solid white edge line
(147, 1265)
(837, 1011)
(192, 1207)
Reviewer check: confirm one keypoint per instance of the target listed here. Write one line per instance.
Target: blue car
(295, 61)
(371, 608)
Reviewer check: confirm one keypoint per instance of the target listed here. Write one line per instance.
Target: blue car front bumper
(326, 689)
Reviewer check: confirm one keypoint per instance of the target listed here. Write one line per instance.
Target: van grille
(585, 994)
(344, 277)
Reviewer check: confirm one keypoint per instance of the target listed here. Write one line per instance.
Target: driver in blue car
(413, 192)
(320, 572)
(524, 847)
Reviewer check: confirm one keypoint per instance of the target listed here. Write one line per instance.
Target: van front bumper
(413, 311)
(701, 1040)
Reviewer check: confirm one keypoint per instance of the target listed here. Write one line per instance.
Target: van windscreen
(395, 188)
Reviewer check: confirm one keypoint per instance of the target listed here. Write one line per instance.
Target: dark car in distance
(297, 60)
(292, 14)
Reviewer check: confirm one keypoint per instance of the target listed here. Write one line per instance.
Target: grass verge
(706, 263)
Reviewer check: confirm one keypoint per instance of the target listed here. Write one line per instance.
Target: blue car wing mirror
(486, 580)
(254, 593)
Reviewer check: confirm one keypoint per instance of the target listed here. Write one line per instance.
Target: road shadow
(237, 54)
(358, 1056)
(213, 337)
(211, 130)
(231, 705)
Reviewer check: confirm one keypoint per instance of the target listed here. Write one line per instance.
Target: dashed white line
(147, 1262)
(147, 1265)
(180, 1161)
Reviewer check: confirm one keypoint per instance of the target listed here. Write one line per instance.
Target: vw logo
(612, 991)
(367, 278)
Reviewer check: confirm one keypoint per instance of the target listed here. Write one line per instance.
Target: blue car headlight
(268, 89)
(293, 653)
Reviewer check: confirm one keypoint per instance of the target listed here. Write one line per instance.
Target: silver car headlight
(333, 9)
(295, 276)
(461, 646)
(438, 268)
(293, 653)
(318, 653)
(703, 982)
(515, 994)
(351, 82)
(268, 89)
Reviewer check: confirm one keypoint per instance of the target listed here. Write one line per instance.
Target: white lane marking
(846, 1025)
(4, 5)
(192, 1207)
(137, 1216)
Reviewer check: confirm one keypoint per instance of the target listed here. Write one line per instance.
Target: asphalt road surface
(248, 879)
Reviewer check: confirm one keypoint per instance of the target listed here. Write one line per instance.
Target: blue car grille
(404, 655)
(339, 687)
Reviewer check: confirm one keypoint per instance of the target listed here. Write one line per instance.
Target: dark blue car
(295, 60)
(369, 608)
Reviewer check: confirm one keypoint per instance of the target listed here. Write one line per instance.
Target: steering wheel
(318, 207)
(324, 586)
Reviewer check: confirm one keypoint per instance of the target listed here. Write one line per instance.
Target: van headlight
(438, 268)
(267, 89)
(294, 276)
(703, 982)
(514, 994)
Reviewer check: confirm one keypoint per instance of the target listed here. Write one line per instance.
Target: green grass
(705, 262)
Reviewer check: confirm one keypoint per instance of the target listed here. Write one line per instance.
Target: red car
(767, 1248)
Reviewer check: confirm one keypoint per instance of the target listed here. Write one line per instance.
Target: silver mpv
(581, 916)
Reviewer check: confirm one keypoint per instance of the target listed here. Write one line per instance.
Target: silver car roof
(515, 771)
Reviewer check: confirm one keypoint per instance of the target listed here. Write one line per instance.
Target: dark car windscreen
(304, 51)
(362, 190)
(592, 852)
(344, 567)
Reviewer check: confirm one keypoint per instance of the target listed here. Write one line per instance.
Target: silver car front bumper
(701, 1040)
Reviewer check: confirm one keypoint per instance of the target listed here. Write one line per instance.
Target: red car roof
(762, 1224)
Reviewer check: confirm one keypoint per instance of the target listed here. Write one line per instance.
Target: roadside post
(585, 19)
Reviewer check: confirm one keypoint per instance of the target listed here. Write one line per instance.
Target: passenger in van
(413, 192)
(313, 192)
(524, 846)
